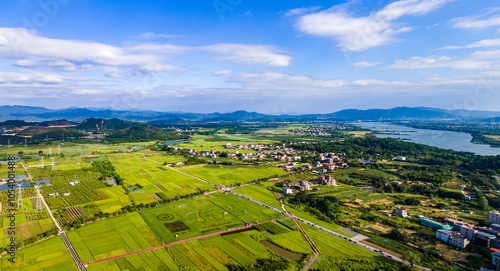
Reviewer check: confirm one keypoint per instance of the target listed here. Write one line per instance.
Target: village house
(402, 212)
(327, 180)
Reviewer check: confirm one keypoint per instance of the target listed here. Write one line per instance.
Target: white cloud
(481, 43)
(20, 43)
(33, 77)
(487, 54)
(249, 54)
(54, 64)
(365, 64)
(360, 33)
(488, 19)
(224, 72)
(439, 62)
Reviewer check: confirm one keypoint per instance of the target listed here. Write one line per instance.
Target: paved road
(72, 251)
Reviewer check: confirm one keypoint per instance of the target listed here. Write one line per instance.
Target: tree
(396, 234)
(412, 258)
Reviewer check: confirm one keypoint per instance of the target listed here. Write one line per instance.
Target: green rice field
(227, 175)
(259, 194)
(111, 237)
(50, 255)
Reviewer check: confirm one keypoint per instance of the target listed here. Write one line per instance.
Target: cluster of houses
(409, 182)
(461, 234)
(211, 153)
(306, 185)
(257, 147)
(72, 183)
(312, 131)
(319, 130)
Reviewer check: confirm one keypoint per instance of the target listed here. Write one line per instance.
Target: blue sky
(263, 56)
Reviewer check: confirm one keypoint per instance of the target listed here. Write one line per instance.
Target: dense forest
(143, 133)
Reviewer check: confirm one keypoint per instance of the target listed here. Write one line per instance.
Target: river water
(437, 138)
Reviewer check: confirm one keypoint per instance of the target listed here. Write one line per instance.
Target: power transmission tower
(58, 149)
(38, 204)
(20, 204)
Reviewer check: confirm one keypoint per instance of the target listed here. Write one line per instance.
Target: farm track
(69, 247)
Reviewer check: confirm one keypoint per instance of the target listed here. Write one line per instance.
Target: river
(437, 138)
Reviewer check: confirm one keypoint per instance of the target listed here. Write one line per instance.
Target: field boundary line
(180, 242)
(147, 222)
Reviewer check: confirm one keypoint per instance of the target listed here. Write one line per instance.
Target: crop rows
(71, 214)
(79, 194)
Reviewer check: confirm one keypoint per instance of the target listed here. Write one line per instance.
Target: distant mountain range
(28, 113)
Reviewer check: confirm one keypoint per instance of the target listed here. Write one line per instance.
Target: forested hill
(142, 132)
(98, 124)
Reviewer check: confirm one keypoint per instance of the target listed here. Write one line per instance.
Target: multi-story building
(402, 212)
(494, 217)
(459, 241)
(443, 235)
(305, 185)
(468, 232)
(495, 227)
(327, 180)
(495, 242)
(495, 259)
(484, 239)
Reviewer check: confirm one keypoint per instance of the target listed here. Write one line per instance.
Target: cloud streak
(488, 19)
